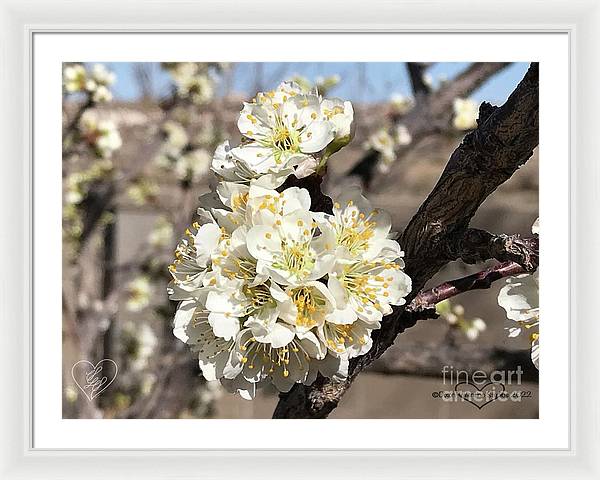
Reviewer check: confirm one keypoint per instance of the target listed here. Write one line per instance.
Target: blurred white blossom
(401, 104)
(145, 343)
(193, 80)
(162, 233)
(76, 78)
(381, 141)
(403, 136)
(454, 314)
(142, 191)
(466, 112)
(193, 165)
(138, 294)
(102, 135)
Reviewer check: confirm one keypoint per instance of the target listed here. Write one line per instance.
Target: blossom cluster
(270, 290)
(194, 80)
(101, 135)
(386, 144)
(520, 298)
(454, 314)
(95, 82)
(178, 153)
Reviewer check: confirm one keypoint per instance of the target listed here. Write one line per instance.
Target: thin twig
(477, 281)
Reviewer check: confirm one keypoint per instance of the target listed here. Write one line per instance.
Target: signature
(92, 379)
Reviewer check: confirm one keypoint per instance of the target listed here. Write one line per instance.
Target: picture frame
(20, 459)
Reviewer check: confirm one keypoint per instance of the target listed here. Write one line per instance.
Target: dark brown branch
(415, 73)
(478, 246)
(487, 157)
(428, 359)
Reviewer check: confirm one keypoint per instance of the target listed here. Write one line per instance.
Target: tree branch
(478, 246)
(433, 114)
(477, 281)
(487, 157)
(417, 81)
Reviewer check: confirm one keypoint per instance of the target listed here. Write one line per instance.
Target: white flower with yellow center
(289, 252)
(347, 340)
(305, 306)
(360, 231)
(226, 205)
(466, 112)
(266, 206)
(284, 365)
(367, 290)
(282, 135)
(283, 92)
(192, 259)
(238, 294)
(520, 298)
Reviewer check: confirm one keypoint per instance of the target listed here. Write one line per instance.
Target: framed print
(313, 244)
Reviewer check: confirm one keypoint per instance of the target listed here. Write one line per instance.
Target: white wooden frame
(19, 20)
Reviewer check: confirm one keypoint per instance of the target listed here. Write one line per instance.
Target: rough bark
(487, 157)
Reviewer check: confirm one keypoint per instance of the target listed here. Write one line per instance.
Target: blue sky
(382, 79)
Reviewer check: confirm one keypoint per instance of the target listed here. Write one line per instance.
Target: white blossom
(193, 80)
(403, 136)
(284, 134)
(75, 78)
(286, 131)
(96, 82)
(102, 135)
(383, 143)
(520, 298)
(138, 294)
(466, 112)
(162, 233)
(193, 165)
(102, 76)
(401, 104)
(271, 292)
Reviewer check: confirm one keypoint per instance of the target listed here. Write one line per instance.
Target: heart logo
(480, 397)
(92, 379)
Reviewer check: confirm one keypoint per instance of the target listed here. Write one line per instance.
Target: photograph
(300, 240)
